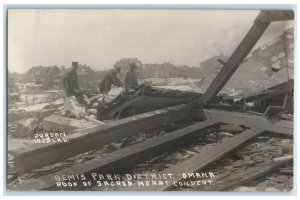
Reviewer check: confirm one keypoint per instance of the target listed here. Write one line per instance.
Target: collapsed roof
(269, 65)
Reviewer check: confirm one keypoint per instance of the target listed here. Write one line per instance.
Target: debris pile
(265, 150)
(26, 128)
(271, 75)
(72, 108)
(93, 154)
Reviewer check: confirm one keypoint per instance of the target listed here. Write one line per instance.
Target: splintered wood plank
(199, 161)
(244, 176)
(124, 159)
(40, 155)
(270, 125)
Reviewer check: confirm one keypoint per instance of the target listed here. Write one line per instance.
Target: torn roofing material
(269, 65)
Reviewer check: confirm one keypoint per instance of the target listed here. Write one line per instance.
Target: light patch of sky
(99, 38)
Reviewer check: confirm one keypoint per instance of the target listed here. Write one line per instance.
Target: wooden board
(275, 15)
(271, 125)
(123, 159)
(201, 160)
(40, 155)
(273, 110)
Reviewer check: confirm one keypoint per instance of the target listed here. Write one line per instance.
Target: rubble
(231, 128)
(14, 116)
(255, 189)
(64, 124)
(225, 134)
(268, 71)
(59, 102)
(26, 128)
(92, 111)
(73, 109)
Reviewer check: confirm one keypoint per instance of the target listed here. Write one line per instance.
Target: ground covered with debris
(21, 178)
(260, 150)
(37, 116)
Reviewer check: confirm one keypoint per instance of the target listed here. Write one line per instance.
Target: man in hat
(130, 80)
(109, 79)
(70, 82)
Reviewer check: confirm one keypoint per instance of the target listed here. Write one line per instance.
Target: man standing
(109, 79)
(130, 80)
(70, 82)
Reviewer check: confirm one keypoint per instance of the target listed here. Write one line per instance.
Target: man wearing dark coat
(70, 81)
(130, 80)
(110, 79)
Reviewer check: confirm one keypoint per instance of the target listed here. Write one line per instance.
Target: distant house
(13, 92)
(12, 89)
(87, 77)
(185, 71)
(13, 98)
(164, 70)
(44, 76)
(124, 65)
(50, 77)
(34, 89)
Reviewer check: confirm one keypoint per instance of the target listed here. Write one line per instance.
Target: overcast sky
(99, 38)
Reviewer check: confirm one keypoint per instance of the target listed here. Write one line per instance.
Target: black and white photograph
(185, 100)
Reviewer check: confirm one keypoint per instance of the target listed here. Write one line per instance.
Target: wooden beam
(271, 125)
(201, 160)
(123, 159)
(244, 176)
(275, 15)
(235, 60)
(40, 155)
(273, 110)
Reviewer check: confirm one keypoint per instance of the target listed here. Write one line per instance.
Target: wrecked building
(233, 116)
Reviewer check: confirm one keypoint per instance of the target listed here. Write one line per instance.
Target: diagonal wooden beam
(270, 125)
(123, 159)
(275, 15)
(235, 60)
(39, 155)
(201, 160)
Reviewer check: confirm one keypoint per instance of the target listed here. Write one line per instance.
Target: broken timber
(201, 160)
(123, 159)
(40, 155)
(270, 125)
(245, 176)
